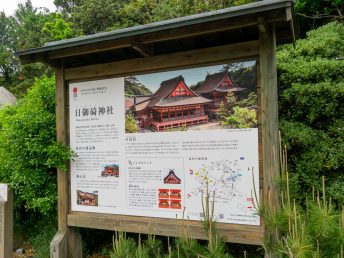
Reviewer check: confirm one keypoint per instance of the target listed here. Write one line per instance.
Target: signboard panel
(154, 145)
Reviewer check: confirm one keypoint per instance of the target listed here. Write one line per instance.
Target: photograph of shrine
(87, 199)
(110, 170)
(205, 98)
(215, 88)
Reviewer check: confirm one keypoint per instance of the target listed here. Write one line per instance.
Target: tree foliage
(138, 12)
(29, 154)
(133, 87)
(315, 13)
(311, 109)
(93, 16)
(241, 118)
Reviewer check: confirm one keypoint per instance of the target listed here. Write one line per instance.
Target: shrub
(29, 154)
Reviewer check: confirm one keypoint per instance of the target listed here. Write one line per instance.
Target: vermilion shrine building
(215, 87)
(173, 105)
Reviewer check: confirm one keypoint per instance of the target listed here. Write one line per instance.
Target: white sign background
(221, 162)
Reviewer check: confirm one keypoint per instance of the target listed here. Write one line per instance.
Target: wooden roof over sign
(222, 27)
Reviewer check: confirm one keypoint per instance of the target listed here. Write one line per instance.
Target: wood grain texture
(67, 242)
(235, 52)
(166, 227)
(62, 176)
(171, 227)
(58, 246)
(6, 226)
(269, 115)
(159, 36)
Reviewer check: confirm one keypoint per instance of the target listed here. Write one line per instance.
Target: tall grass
(312, 229)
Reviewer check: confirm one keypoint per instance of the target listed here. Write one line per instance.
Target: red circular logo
(75, 90)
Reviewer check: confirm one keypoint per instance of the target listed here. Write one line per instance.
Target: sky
(192, 76)
(9, 6)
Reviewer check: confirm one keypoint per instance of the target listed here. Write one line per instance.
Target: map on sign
(222, 180)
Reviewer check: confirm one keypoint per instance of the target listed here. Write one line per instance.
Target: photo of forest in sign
(204, 98)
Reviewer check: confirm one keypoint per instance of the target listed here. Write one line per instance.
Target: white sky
(9, 6)
(191, 76)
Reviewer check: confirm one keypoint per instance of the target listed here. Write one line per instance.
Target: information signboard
(155, 145)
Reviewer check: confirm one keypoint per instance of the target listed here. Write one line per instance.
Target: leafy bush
(315, 230)
(130, 124)
(311, 84)
(29, 154)
(241, 118)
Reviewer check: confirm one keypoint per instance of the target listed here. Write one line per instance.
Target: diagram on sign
(226, 181)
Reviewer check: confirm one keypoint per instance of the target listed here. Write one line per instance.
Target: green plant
(122, 246)
(241, 118)
(216, 245)
(29, 154)
(130, 124)
(295, 231)
(311, 96)
(153, 245)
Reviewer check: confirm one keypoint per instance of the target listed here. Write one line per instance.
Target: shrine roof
(160, 97)
(212, 81)
(182, 101)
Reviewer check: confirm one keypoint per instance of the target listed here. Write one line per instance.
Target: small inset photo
(172, 178)
(110, 170)
(87, 198)
(164, 204)
(163, 193)
(175, 204)
(175, 194)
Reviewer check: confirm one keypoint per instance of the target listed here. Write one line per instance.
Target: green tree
(29, 154)
(223, 111)
(241, 118)
(130, 124)
(8, 62)
(231, 101)
(133, 87)
(67, 6)
(311, 85)
(138, 12)
(29, 27)
(93, 16)
(58, 28)
(315, 13)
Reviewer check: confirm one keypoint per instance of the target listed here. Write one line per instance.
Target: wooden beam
(142, 49)
(166, 227)
(240, 51)
(172, 34)
(90, 48)
(262, 25)
(289, 18)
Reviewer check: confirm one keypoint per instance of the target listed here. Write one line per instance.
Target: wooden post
(269, 114)
(6, 221)
(67, 241)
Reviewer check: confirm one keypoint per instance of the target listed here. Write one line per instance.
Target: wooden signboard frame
(261, 48)
(6, 221)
